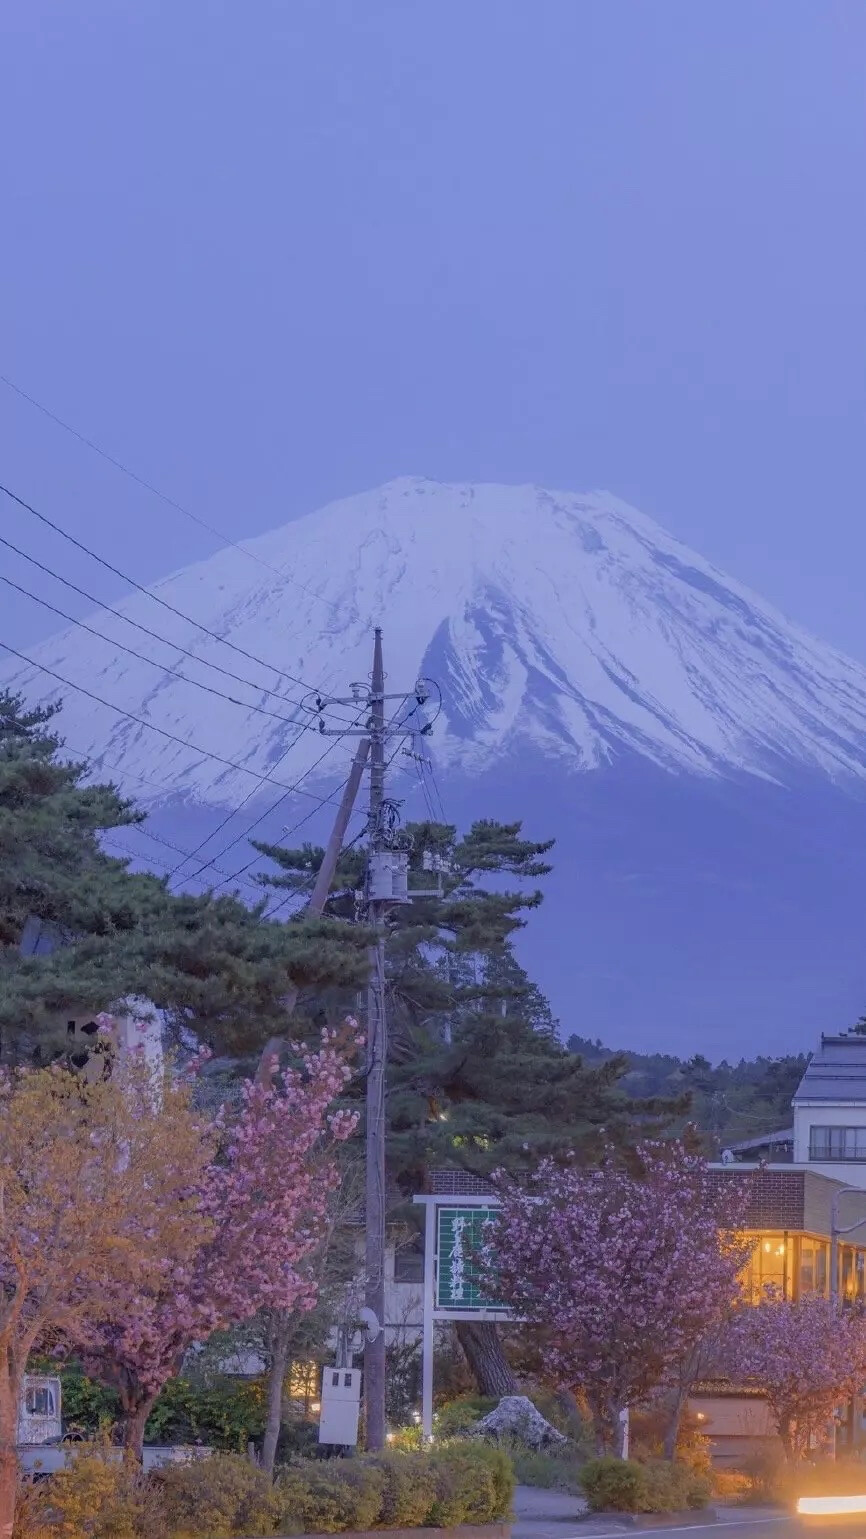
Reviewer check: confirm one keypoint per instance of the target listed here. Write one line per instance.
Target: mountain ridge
(566, 624)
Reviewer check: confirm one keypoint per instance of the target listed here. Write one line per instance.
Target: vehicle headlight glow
(830, 1506)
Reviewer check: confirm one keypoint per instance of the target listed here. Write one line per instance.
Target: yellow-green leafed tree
(98, 1184)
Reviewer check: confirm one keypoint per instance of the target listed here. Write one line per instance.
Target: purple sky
(275, 252)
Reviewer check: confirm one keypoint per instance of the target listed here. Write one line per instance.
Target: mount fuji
(701, 760)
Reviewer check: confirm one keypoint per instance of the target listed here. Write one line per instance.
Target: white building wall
(838, 1115)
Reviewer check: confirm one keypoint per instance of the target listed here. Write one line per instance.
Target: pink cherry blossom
(807, 1356)
(264, 1198)
(620, 1274)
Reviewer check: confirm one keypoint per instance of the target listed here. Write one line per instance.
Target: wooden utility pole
(377, 1054)
(386, 884)
(319, 897)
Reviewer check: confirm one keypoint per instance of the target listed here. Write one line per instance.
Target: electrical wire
(169, 844)
(161, 731)
(245, 705)
(148, 833)
(156, 492)
(425, 791)
(335, 742)
(428, 767)
(148, 593)
(153, 860)
(203, 662)
(268, 811)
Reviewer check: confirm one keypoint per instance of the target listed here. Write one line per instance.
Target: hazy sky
(274, 252)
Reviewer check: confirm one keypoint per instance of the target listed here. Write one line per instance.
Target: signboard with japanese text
(459, 1238)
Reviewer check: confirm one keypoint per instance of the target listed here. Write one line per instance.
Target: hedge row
(624, 1485)
(229, 1497)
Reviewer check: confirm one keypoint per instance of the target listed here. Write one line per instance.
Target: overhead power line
(156, 492)
(150, 726)
(148, 593)
(95, 768)
(147, 833)
(156, 860)
(203, 662)
(245, 705)
(255, 824)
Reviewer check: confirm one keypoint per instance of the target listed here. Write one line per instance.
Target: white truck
(43, 1450)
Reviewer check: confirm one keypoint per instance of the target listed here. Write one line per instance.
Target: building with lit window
(790, 1220)
(830, 1110)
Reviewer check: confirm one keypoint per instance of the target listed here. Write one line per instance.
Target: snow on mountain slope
(566, 623)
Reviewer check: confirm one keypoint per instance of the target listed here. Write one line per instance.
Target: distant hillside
(729, 1102)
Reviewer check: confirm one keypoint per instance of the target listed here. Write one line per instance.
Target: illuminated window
(769, 1268)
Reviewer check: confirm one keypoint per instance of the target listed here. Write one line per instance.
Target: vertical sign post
(453, 1235)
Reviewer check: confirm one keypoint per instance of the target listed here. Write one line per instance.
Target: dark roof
(837, 1071)
(765, 1141)
(459, 1183)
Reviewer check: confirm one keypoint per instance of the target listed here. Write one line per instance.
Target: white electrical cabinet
(341, 1402)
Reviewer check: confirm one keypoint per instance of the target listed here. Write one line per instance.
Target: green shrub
(613, 1485)
(226, 1414)
(407, 1440)
(218, 1497)
(99, 1495)
(624, 1485)
(465, 1488)
(673, 1487)
(770, 1476)
(500, 1467)
(408, 1489)
(457, 1416)
(457, 1483)
(553, 1469)
(328, 1498)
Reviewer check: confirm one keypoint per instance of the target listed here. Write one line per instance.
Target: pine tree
(478, 1077)
(214, 965)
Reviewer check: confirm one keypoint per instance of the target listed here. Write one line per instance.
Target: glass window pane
(837, 1143)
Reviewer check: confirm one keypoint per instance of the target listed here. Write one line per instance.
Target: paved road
(733, 1526)
(552, 1515)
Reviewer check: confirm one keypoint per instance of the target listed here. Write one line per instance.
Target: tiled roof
(459, 1183)
(836, 1072)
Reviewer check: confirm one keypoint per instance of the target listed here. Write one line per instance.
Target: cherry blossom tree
(265, 1200)
(621, 1272)
(99, 1182)
(807, 1356)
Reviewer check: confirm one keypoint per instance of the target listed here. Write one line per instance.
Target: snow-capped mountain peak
(566, 623)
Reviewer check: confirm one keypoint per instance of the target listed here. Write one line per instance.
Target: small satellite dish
(727, 1156)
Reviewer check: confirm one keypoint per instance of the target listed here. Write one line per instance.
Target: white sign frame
(432, 1313)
